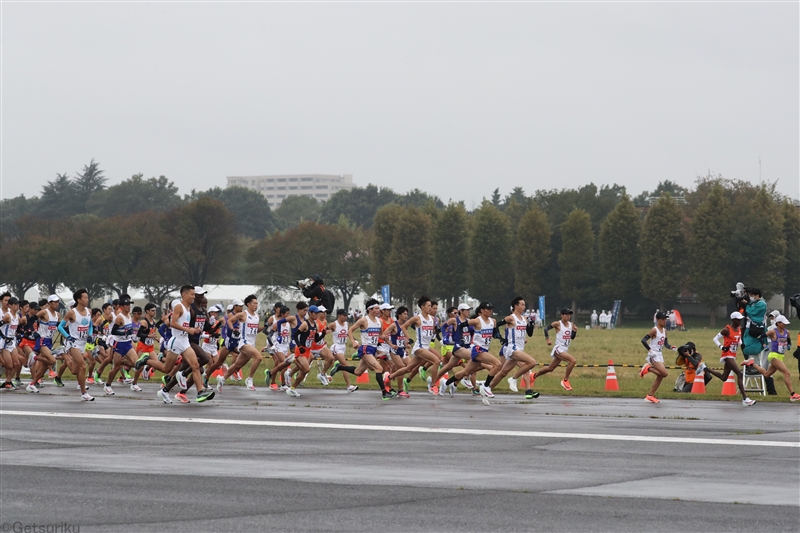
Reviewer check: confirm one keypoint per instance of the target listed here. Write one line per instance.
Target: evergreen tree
(760, 259)
(663, 247)
(576, 260)
(450, 239)
(618, 247)
(491, 274)
(533, 253)
(409, 262)
(712, 244)
(791, 232)
(386, 220)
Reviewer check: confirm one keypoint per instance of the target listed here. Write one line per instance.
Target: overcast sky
(452, 98)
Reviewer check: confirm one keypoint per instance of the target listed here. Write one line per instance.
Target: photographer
(314, 289)
(794, 301)
(691, 361)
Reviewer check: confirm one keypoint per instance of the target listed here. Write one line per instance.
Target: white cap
(230, 306)
(72, 303)
(53, 298)
(237, 302)
(775, 314)
(386, 306)
(215, 309)
(782, 318)
(463, 307)
(736, 314)
(322, 308)
(200, 290)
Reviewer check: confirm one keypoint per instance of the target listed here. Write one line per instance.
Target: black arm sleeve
(646, 341)
(530, 328)
(547, 328)
(573, 334)
(143, 333)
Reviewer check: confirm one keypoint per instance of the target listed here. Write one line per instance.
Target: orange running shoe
(645, 369)
(182, 397)
(566, 385)
(435, 390)
(652, 399)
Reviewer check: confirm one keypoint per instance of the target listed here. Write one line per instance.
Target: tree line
(581, 247)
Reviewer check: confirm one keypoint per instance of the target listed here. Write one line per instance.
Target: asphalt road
(333, 461)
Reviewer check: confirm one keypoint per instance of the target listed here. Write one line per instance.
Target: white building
(276, 188)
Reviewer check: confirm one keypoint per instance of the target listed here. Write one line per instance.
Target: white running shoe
(31, 388)
(512, 384)
(86, 397)
(486, 392)
(747, 402)
(292, 392)
(429, 381)
(452, 389)
(287, 376)
(467, 383)
(220, 383)
(181, 380)
(108, 390)
(164, 395)
(352, 388)
(321, 378)
(135, 387)
(249, 384)
(283, 388)
(442, 386)
(78, 386)
(127, 381)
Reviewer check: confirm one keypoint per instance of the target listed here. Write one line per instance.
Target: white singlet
(48, 328)
(369, 336)
(563, 338)
(339, 338)
(482, 337)
(249, 329)
(515, 336)
(425, 333)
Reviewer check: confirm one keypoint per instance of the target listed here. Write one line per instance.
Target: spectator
(691, 361)
(594, 318)
(655, 320)
(603, 319)
(673, 324)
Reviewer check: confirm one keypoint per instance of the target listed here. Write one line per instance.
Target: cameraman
(691, 361)
(794, 301)
(314, 289)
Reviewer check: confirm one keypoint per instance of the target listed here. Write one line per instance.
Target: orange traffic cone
(699, 385)
(363, 378)
(611, 377)
(729, 387)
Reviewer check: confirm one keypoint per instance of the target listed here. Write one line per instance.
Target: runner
(484, 330)
(231, 336)
(76, 327)
(211, 340)
(47, 320)
(421, 351)
(565, 332)
(249, 329)
(304, 337)
(145, 345)
(9, 322)
(122, 349)
(339, 347)
(282, 349)
(397, 338)
(319, 347)
(517, 326)
(780, 345)
(179, 345)
(458, 331)
(653, 342)
(198, 320)
(731, 337)
(370, 328)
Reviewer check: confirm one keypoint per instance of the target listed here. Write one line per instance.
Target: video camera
(740, 292)
(795, 302)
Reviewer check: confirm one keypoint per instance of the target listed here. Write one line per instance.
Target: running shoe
(273, 386)
(53, 374)
(90, 380)
(221, 383)
(334, 368)
(388, 394)
(794, 397)
(530, 394)
(292, 392)
(405, 385)
(747, 402)
(434, 390)
(467, 383)
(403, 394)
(652, 399)
(78, 386)
(7, 385)
(512, 384)
(442, 386)
(18, 383)
(127, 375)
(321, 378)
(135, 387)
(476, 392)
(452, 389)
(485, 401)
(141, 361)
(86, 397)
(283, 388)
(181, 380)
(164, 396)
(205, 394)
(165, 380)
(352, 388)
(249, 384)
(146, 373)
(267, 376)
(31, 388)
(40, 384)
(108, 390)
(237, 375)
(181, 397)
(98, 379)
(386, 379)
(645, 369)
(423, 373)
(58, 382)
(748, 362)
(287, 376)
(566, 385)
(429, 382)
(482, 389)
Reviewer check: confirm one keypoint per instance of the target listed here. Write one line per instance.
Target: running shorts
(144, 348)
(178, 345)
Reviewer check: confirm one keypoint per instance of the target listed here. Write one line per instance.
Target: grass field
(597, 347)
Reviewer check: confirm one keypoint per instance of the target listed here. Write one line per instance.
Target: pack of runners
(192, 343)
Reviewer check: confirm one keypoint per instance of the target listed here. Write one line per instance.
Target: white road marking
(410, 429)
